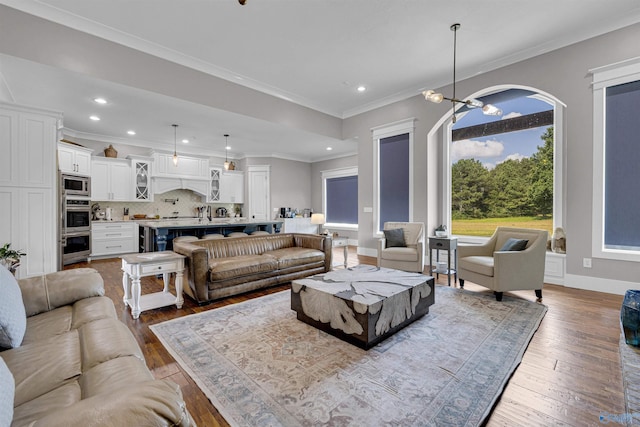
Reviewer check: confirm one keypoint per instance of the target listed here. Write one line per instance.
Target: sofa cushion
(68, 317)
(7, 391)
(514, 245)
(395, 238)
(114, 374)
(43, 366)
(477, 264)
(292, 257)
(13, 318)
(400, 254)
(241, 265)
(34, 409)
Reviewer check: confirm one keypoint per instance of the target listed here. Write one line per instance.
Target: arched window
(504, 170)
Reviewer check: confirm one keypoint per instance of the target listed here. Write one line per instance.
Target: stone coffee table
(364, 304)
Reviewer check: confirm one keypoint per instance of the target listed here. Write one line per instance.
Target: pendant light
(226, 147)
(175, 145)
(433, 96)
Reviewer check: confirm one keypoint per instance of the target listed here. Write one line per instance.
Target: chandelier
(433, 96)
(175, 146)
(226, 148)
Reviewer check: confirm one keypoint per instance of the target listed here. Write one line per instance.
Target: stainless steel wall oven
(74, 224)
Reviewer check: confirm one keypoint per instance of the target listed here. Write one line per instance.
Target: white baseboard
(609, 286)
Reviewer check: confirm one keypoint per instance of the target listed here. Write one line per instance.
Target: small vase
(110, 152)
(630, 317)
(559, 241)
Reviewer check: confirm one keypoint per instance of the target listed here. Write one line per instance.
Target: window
(393, 173)
(616, 231)
(340, 197)
(502, 168)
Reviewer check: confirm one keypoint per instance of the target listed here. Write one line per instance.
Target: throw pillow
(395, 238)
(13, 318)
(7, 392)
(514, 245)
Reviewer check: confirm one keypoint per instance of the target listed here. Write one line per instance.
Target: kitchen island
(158, 235)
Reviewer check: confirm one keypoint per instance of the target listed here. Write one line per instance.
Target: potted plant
(441, 231)
(10, 258)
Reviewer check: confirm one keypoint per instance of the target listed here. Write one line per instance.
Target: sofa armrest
(53, 290)
(151, 403)
(319, 242)
(197, 267)
(382, 243)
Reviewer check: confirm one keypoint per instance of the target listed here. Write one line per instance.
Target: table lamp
(318, 218)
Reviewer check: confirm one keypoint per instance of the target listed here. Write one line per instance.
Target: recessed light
(361, 89)
(185, 141)
(329, 148)
(100, 100)
(131, 132)
(94, 118)
(227, 148)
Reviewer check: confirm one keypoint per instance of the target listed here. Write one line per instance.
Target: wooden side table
(449, 244)
(135, 266)
(341, 242)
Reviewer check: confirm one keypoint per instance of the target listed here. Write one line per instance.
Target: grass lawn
(486, 226)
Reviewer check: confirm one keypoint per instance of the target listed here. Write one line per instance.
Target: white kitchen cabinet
(214, 185)
(141, 169)
(113, 238)
(232, 187)
(28, 186)
(73, 159)
(187, 167)
(111, 179)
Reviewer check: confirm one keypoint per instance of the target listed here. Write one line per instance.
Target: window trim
(559, 163)
(603, 77)
(385, 131)
(336, 173)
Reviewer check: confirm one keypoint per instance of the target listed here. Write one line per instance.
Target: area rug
(260, 366)
(630, 361)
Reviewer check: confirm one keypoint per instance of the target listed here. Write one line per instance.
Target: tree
(509, 182)
(541, 190)
(469, 182)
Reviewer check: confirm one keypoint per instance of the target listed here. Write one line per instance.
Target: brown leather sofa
(230, 266)
(77, 364)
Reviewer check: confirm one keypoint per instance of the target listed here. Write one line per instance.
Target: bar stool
(185, 239)
(212, 236)
(260, 233)
(237, 234)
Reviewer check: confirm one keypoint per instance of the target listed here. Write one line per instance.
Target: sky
(495, 149)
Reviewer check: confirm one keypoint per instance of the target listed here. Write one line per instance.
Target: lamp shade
(317, 218)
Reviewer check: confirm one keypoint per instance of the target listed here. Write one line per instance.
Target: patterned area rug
(260, 366)
(630, 360)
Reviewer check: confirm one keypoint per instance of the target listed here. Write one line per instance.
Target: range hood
(191, 173)
(164, 184)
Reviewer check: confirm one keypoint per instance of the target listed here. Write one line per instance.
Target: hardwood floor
(569, 374)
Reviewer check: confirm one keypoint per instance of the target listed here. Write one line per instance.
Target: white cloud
(511, 115)
(471, 149)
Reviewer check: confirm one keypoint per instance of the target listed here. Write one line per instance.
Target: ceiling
(313, 53)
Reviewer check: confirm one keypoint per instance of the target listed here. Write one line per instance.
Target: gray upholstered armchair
(407, 257)
(500, 270)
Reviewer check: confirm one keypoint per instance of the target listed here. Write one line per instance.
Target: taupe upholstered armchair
(500, 269)
(407, 257)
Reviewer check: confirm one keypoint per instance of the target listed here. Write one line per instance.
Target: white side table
(341, 242)
(135, 266)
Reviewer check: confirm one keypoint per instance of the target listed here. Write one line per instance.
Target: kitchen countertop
(196, 223)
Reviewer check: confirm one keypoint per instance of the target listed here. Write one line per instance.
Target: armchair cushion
(13, 318)
(514, 245)
(395, 238)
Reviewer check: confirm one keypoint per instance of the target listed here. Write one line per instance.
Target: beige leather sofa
(409, 257)
(501, 271)
(76, 364)
(219, 268)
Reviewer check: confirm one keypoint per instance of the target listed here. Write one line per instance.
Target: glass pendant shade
(175, 145)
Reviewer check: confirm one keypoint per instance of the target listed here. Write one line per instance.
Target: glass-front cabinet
(214, 188)
(141, 179)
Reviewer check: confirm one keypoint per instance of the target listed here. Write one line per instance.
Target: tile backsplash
(184, 202)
